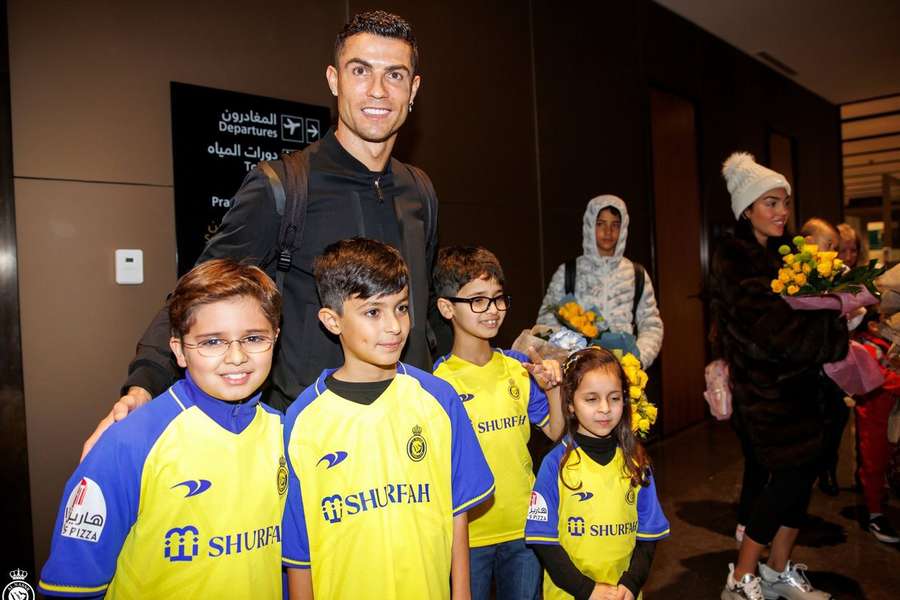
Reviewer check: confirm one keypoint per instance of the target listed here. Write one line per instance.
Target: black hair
(360, 268)
(458, 265)
(744, 230)
(378, 22)
(615, 211)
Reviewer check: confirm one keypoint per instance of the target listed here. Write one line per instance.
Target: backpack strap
(638, 293)
(291, 203)
(426, 190)
(570, 277)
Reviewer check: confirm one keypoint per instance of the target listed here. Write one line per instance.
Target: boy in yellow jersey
(502, 400)
(382, 458)
(185, 497)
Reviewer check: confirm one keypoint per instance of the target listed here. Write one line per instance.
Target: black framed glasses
(215, 347)
(480, 304)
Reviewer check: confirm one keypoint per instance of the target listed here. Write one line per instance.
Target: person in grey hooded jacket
(604, 279)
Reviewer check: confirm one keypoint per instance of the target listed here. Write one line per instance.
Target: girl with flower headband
(594, 517)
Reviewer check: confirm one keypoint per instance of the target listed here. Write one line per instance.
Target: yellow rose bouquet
(811, 279)
(643, 412)
(587, 322)
(819, 274)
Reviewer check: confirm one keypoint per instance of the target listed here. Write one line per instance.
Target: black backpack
(638, 286)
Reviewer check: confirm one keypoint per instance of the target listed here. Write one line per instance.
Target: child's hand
(603, 591)
(623, 593)
(547, 373)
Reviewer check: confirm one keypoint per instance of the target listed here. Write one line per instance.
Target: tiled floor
(698, 475)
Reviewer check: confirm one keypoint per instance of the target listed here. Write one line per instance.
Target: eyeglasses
(480, 304)
(214, 347)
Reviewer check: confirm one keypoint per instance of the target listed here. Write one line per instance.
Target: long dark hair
(637, 462)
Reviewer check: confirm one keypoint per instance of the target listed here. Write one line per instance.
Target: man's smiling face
(374, 84)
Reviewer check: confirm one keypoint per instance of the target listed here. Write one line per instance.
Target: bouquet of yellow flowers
(813, 272)
(811, 279)
(584, 321)
(643, 412)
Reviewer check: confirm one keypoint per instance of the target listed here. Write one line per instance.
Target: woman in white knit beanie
(775, 356)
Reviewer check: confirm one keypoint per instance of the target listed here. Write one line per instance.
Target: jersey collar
(233, 416)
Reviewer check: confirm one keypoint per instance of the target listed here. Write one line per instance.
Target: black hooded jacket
(775, 353)
(345, 200)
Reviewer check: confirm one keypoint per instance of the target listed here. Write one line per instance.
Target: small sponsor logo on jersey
(576, 526)
(416, 447)
(195, 487)
(612, 529)
(583, 496)
(537, 508)
(337, 508)
(466, 397)
(630, 495)
(85, 514)
(18, 588)
(183, 544)
(282, 480)
(513, 389)
(332, 459)
(501, 423)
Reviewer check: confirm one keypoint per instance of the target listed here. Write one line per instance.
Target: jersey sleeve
(295, 537)
(471, 478)
(652, 523)
(98, 508)
(542, 522)
(538, 405)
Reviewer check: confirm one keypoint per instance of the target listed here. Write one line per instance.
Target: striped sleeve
(295, 552)
(100, 505)
(542, 523)
(652, 523)
(471, 479)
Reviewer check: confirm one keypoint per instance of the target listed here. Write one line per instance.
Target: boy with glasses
(185, 498)
(502, 391)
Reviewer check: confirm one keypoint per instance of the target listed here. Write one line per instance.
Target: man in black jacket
(355, 189)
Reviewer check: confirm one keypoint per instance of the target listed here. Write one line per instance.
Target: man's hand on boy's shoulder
(547, 373)
(135, 398)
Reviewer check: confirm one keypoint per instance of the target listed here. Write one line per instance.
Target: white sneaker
(790, 583)
(748, 588)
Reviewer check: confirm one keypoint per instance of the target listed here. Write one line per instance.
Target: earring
(410, 105)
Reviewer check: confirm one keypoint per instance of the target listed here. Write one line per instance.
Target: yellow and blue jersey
(598, 523)
(373, 489)
(502, 400)
(184, 498)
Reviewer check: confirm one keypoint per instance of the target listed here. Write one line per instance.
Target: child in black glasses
(503, 392)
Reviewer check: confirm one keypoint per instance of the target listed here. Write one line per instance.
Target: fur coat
(775, 354)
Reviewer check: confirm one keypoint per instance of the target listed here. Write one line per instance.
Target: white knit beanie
(747, 180)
